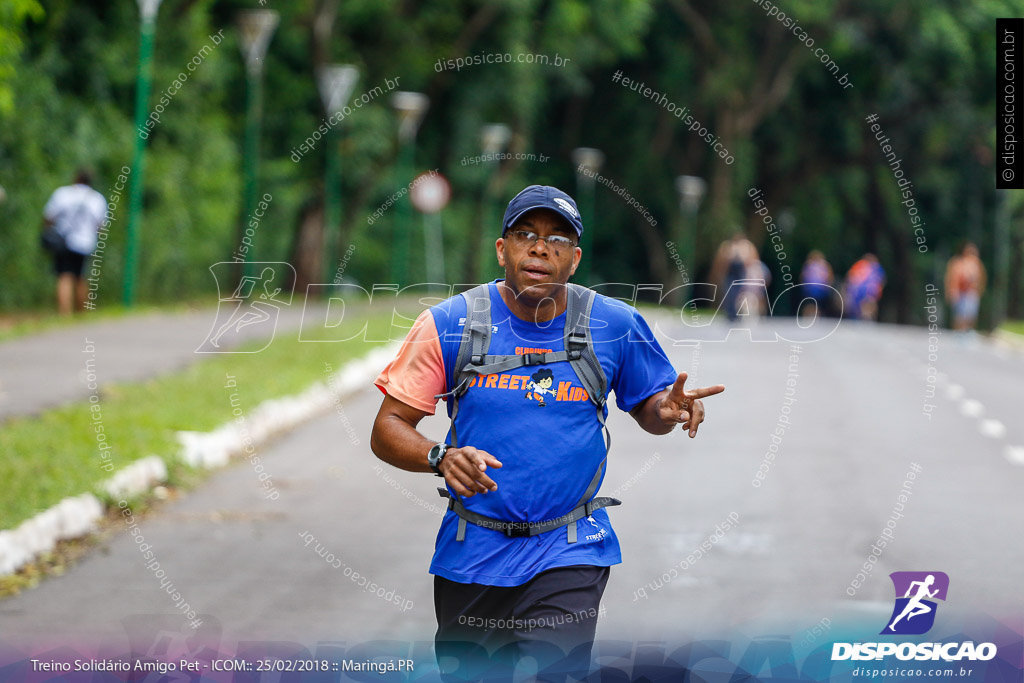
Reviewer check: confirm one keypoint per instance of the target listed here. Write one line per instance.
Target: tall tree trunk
(654, 244)
(724, 212)
(876, 214)
(309, 241)
(308, 246)
(901, 284)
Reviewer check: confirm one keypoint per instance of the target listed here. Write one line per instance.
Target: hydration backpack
(473, 360)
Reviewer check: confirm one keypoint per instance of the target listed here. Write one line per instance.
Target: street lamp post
(147, 15)
(494, 138)
(336, 83)
(587, 162)
(691, 193)
(256, 27)
(430, 196)
(411, 106)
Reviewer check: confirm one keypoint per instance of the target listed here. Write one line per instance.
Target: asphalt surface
(857, 427)
(48, 369)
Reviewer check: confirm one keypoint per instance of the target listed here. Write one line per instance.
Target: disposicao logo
(917, 589)
(914, 614)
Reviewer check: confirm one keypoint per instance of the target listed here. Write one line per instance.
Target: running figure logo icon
(914, 612)
(254, 305)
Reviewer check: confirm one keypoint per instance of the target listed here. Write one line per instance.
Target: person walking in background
(736, 260)
(755, 291)
(864, 283)
(817, 277)
(965, 283)
(75, 213)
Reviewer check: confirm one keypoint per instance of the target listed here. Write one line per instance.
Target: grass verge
(1013, 326)
(56, 454)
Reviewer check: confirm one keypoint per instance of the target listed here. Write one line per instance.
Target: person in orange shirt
(965, 283)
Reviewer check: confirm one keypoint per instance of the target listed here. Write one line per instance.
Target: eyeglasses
(528, 238)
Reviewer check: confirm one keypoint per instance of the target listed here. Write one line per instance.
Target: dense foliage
(794, 128)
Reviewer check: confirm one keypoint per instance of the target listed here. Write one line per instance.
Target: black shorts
(488, 629)
(67, 261)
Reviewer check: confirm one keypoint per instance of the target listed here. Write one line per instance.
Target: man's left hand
(684, 406)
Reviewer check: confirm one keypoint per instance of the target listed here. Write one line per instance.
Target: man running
(516, 461)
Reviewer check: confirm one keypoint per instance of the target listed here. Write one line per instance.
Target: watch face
(435, 454)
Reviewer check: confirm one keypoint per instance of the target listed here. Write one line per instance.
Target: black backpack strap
(579, 344)
(473, 360)
(521, 529)
(492, 365)
(476, 339)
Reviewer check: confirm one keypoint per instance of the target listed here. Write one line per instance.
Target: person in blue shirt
(529, 444)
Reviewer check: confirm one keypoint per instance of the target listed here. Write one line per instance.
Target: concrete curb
(70, 518)
(140, 476)
(274, 416)
(80, 515)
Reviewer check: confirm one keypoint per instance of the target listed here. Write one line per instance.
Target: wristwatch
(435, 456)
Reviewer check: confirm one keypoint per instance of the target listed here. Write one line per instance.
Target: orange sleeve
(416, 375)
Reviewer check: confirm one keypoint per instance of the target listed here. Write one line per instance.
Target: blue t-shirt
(538, 422)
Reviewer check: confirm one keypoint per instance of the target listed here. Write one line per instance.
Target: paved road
(45, 370)
(857, 429)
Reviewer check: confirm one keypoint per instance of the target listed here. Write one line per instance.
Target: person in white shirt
(77, 212)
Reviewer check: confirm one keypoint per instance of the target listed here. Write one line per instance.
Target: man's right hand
(463, 470)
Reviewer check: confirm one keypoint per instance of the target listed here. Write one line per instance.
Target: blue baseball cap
(542, 197)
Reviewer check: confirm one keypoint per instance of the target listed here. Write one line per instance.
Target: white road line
(971, 408)
(1015, 454)
(992, 428)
